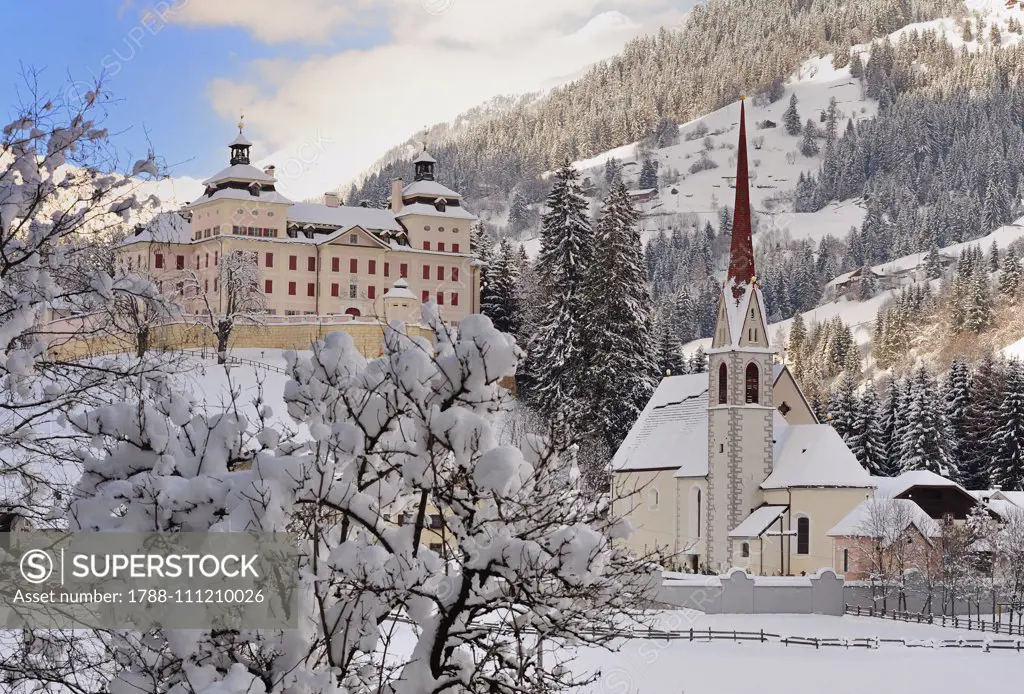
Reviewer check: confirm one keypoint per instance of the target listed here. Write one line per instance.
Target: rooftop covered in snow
(814, 455)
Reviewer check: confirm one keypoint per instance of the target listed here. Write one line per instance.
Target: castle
(317, 260)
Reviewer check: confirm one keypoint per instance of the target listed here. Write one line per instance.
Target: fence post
(762, 636)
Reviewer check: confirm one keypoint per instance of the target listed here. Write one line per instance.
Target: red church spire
(741, 253)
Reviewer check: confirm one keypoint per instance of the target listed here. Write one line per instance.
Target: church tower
(740, 404)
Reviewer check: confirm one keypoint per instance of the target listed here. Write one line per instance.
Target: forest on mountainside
(725, 49)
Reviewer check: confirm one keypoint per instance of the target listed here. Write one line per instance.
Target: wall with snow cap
(740, 593)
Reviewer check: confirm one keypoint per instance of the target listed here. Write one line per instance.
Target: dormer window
(440, 205)
(254, 188)
(353, 239)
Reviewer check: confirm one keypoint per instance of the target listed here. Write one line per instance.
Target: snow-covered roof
(759, 520)
(429, 188)
(643, 191)
(237, 194)
(814, 455)
(431, 211)
(892, 487)
(1004, 508)
(672, 431)
(399, 290)
(240, 172)
(166, 227)
(240, 141)
(424, 156)
(878, 517)
(343, 217)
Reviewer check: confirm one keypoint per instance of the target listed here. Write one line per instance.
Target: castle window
(753, 384)
(745, 549)
(723, 385)
(803, 535)
(354, 239)
(353, 291)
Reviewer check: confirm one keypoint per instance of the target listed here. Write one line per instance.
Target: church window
(753, 384)
(785, 409)
(698, 512)
(723, 385)
(653, 498)
(846, 560)
(745, 549)
(803, 535)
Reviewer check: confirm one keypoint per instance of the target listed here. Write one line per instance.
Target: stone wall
(740, 593)
(368, 338)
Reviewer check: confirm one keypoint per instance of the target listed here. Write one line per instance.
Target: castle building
(731, 468)
(317, 259)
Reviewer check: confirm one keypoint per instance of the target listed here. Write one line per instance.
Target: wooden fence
(712, 635)
(953, 622)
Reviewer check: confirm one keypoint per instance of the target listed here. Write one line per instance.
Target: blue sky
(156, 70)
(327, 85)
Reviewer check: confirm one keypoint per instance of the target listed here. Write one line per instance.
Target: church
(731, 468)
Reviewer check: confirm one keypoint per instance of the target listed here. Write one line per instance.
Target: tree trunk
(223, 336)
(142, 342)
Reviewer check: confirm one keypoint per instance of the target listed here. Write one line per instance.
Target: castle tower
(740, 404)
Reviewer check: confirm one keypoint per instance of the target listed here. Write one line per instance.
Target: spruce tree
(868, 440)
(978, 449)
(1007, 469)
(557, 360)
(809, 145)
(698, 362)
(956, 394)
(517, 212)
(856, 65)
(933, 264)
(648, 174)
(501, 304)
(1010, 275)
(841, 409)
(891, 422)
(926, 438)
(796, 351)
(978, 317)
(791, 118)
(622, 366)
(670, 360)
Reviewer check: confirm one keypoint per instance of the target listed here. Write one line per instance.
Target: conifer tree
(993, 257)
(670, 360)
(926, 437)
(557, 360)
(868, 440)
(933, 264)
(622, 368)
(648, 174)
(501, 303)
(978, 317)
(891, 421)
(978, 449)
(841, 409)
(1008, 465)
(1010, 275)
(517, 211)
(956, 393)
(856, 65)
(698, 362)
(809, 145)
(796, 350)
(791, 118)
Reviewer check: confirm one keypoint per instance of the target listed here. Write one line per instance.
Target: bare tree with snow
(240, 300)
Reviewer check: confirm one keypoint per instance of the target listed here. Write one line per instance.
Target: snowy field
(677, 667)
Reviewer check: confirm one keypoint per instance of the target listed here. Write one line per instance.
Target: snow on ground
(1014, 351)
(657, 667)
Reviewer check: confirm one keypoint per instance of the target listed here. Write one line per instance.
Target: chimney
(331, 200)
(269, 170)
(397, 185)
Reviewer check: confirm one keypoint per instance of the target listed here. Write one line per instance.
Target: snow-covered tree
(621, 342)
(956, 392)
(648, 174)
(809, 144)
(868, 439)
(926, 438)
(1010, 275)
(1008, 465)
(669, 359)
(501, 304)
(791, 118)
(65, 202)
(518, 212)
(380, 609)
(557, 360)
(842, 410)
(241, 300)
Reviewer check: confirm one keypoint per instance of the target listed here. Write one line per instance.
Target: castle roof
(431, 188)
(240, 172)
(450, 211)
(343, 217)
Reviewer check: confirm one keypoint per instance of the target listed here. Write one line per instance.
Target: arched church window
(695, 510)
(745, 550)
(723, 385)
(753, 383)
(803, 535)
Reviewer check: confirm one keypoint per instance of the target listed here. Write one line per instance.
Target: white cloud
(327, 118)
(272, 21)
